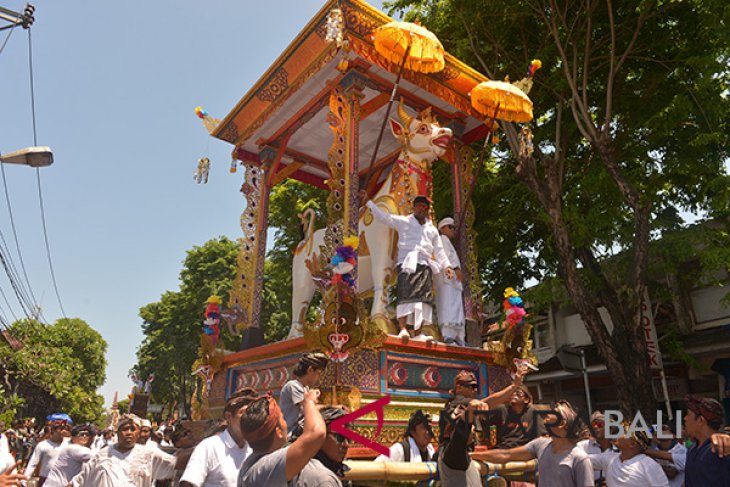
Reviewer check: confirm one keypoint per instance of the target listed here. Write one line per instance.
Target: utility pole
(25, 19)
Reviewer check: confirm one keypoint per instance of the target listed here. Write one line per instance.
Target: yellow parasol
(502, 101)
(499, 100)
(411, 47)
(417, 46)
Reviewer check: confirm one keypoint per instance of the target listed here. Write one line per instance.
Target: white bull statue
(423, 142)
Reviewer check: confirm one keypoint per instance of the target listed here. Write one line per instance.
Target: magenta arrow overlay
(338, 426)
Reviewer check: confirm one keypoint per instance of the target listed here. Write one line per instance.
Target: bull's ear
(396, 128)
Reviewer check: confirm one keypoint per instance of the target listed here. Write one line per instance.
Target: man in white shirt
(420, 255)
(307, 374)
(47, 451)
(126, 463)
(416, 445)
(671, 455)
(449, 299)
(630, 467)
(217, 459)
(72, 456)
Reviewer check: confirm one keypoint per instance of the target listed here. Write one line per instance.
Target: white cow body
(423, 142)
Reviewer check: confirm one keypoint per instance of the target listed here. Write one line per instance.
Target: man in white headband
(449, 289)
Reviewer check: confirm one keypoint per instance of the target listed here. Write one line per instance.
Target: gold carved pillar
(462, 179)
(247, 290)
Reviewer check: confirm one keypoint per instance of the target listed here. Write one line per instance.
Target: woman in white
(449, 290)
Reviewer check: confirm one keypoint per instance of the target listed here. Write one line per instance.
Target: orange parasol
(499, 100)
(418, 46)
(514, 105)
(412, 47)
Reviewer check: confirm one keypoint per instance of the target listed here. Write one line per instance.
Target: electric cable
(15, 234)
(38, 176)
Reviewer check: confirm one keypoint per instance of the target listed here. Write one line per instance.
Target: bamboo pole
(362, 470)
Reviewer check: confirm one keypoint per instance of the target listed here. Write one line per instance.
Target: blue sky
(116, 84)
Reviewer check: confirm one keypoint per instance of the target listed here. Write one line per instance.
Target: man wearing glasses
(72, 456)
(217, 459)
(598, 443)
(326, 468)
(449, 289)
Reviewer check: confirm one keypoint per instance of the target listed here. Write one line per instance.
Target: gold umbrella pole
(385, 119)
(473, 184)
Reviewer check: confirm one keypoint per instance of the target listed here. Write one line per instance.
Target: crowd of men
(262, 441)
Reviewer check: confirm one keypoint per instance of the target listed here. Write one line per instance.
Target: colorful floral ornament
(344, 262)
(211, 325)
(514, 308)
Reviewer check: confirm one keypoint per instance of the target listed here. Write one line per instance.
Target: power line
(38, 176)
(15, 234)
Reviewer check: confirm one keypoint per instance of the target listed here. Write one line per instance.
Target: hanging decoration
(201, 173)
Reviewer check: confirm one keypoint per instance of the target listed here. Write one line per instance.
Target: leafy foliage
(58, 366)
(631, 130)
(172, 325)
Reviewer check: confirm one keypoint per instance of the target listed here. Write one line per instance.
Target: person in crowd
(418, 244)
(126, 463)
(518, 422)
(456, 439)
(15, 445)
(327, 467)
(630, 467)
(307, 374)
(560, 461)
(416, 444)
(273, 464)
(72, 456)
(597, 443)
(46, 451)
(708, 460)
(218, 458)
(105, 439)
(145, 432)
(449, 299)
(9, 477)
(670, 455)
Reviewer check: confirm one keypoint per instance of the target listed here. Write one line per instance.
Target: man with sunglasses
(598, 443)
(449, 290)
(72, 456)
(326, 468)
(218, 458)
(47, 451)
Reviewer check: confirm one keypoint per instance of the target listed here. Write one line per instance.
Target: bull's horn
(403, 115)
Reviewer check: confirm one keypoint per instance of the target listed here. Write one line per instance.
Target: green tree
(631, 128)
(172, 325)
(56, 367)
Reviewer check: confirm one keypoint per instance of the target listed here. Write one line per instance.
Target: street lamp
(30, 156)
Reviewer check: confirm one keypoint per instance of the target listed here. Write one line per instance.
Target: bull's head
(422, 137)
